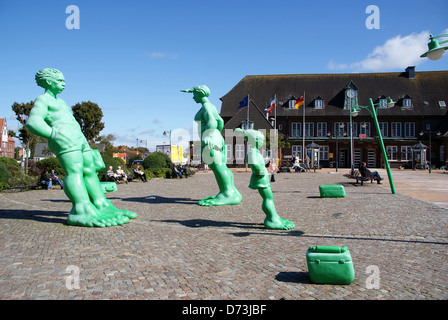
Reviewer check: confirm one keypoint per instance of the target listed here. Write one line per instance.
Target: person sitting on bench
(55, 179)
(45, 181)
(139, 173)
(364, 172)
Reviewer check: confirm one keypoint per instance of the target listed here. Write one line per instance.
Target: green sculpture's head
(254, 137)
(50, 79)
(199, 92)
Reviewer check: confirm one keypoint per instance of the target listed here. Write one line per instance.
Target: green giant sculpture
(260, 180)
(213, 149)
(52, 119)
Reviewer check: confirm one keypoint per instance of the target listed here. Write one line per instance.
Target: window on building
(318, 104)
(395, 129)
(280, 127)
(365, 128)
(406, 153)
(383, 103)
(321, 129)
(296, 129)
(229, 152)
(297, 151)
(324, 153)
(355, 128)
(409, 129)
(407, 103)
(391, 152)
(442, 104)
(309, 129)
(239, 151)
(339, 129)
(247, 126)
(384, 127)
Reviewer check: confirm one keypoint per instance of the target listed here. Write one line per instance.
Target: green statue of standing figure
(213, 149)
(260, 180)
(52, 119)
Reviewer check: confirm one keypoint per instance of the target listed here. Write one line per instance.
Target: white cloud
(396, 53)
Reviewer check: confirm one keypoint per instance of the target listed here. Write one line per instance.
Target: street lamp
(166, 133)
(372, 110)
(429, 132)
(435, 51)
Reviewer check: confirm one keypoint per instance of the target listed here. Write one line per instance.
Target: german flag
(299, 102)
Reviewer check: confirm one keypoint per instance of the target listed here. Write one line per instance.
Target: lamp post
(429, 132)
(371, 109)
(165, 133)
(435, 51)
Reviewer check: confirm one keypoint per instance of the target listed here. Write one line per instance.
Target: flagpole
(247, 128)
(303, 138)
(275, 114)
(248, 105)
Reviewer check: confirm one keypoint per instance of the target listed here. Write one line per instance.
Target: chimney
(410, 71)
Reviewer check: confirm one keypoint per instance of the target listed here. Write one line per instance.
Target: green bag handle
(328, 249)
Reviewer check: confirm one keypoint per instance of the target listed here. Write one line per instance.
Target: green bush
(156, 161)
(49, 164)
(12, 166)
(4, 174)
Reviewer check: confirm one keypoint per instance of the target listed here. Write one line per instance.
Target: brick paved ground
(176, 249)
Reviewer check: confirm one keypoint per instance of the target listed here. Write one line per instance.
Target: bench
(356, 175)
(28, 186)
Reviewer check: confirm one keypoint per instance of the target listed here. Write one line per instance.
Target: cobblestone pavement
(176, 249)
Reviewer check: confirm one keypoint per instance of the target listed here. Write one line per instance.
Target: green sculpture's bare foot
(222, 199)
(86, 215)
(278, 224)
(107, 207)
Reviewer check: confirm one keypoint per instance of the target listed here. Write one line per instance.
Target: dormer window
(407, 102)
(318, 103)
(383, 103)
(442, 104)
(247, 125)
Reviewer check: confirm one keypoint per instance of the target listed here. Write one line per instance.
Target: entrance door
(342, 158)
(371, 158)
(356, 157)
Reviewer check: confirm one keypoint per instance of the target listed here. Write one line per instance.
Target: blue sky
(133, 57)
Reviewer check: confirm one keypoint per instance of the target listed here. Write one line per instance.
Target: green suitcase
(108, 187)
(330, 265)
(332, 191)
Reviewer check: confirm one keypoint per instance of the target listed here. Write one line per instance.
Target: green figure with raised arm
(260, 180)
(52, 119)
(213, 149)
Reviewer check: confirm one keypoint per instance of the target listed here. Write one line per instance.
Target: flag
(272, 105)
(244, 102)
(299, 102)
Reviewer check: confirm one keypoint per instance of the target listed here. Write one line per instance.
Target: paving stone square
(177, 250)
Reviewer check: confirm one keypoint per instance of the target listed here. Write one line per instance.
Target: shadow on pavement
(159, 199)
(293, 277)
(35, 215)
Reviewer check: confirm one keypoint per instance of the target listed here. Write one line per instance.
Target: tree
(29, 140)
(107, 140)
(88, 115)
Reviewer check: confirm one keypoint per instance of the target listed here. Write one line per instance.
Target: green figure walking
(213, 149)
(260, 180)
(52, 119)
